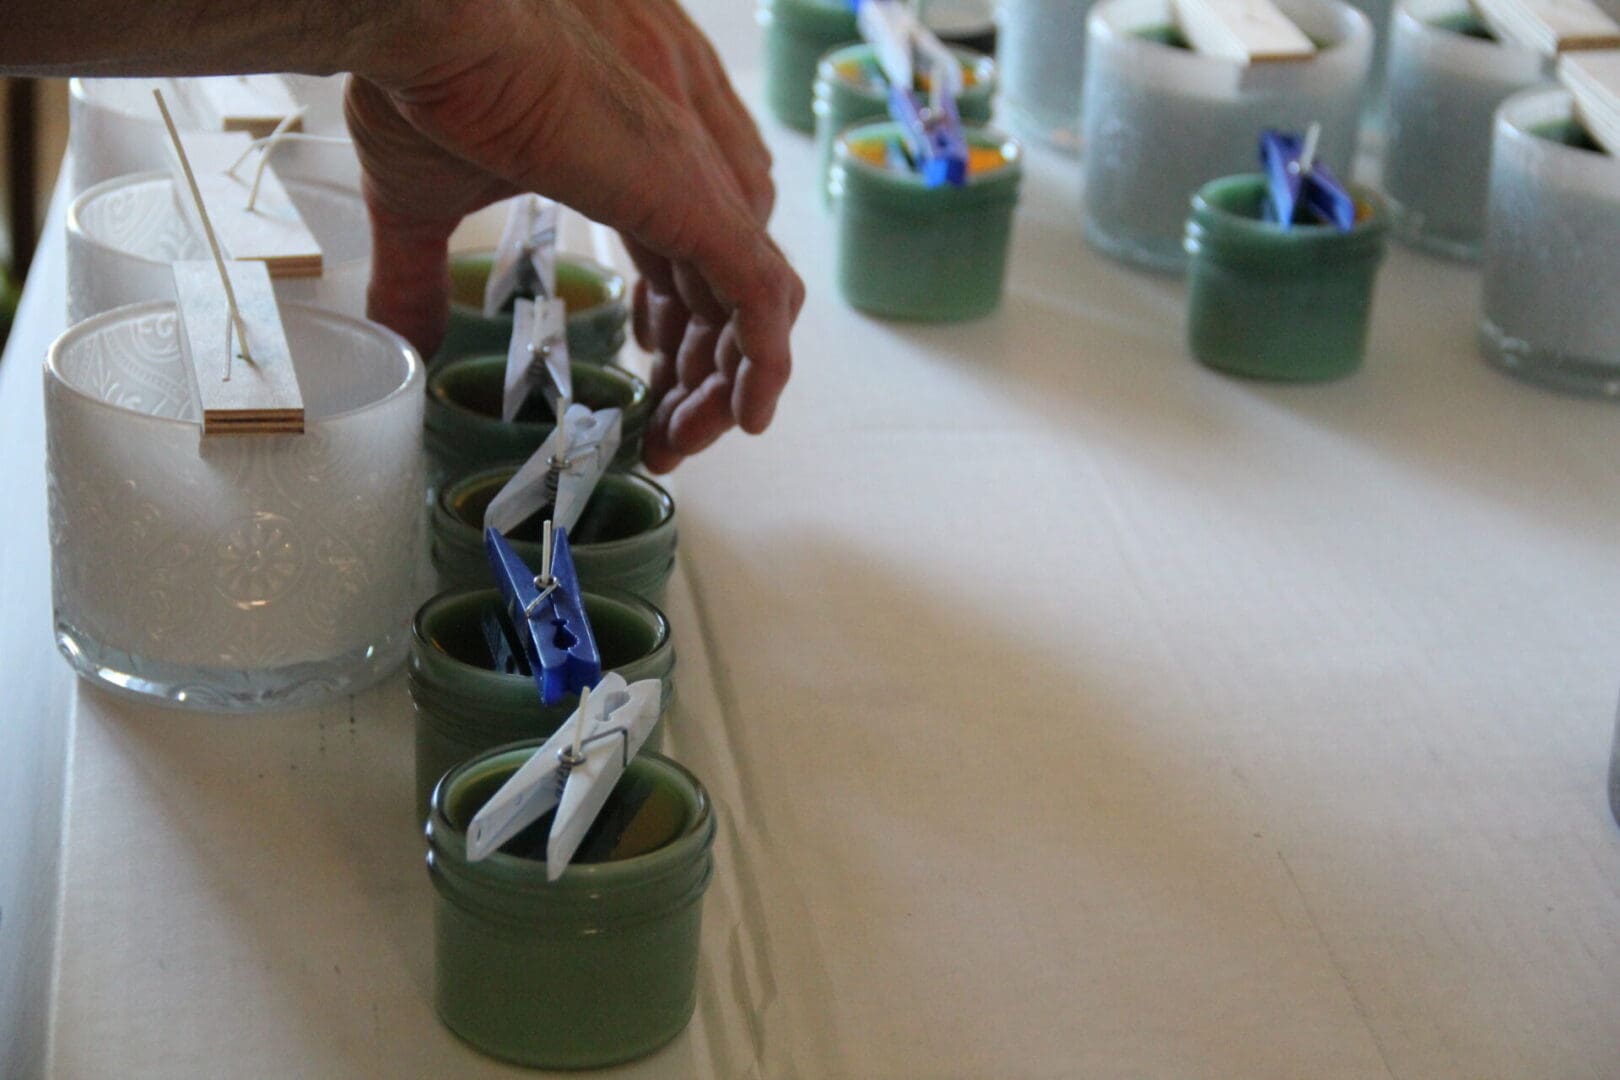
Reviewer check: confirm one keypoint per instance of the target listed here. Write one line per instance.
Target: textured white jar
(123, 234)
(233, 573)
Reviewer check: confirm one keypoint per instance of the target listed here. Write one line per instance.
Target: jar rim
(1350, 25)
(691, 841)
(420, 641)
(76, 208)
(612, 281)
(72, 335)
(982, 65)
(456, 366)
(444, 503)
(978, 135)
(1208, 201)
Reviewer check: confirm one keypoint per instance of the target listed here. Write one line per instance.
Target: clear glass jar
(905, 251)
(464, 706)
(1278, 303)
(596, 968)
(1158, 120)
(465, 432)
(1040, 46)
(233, 573)
(1552, 249)
(1446, 78)
(625, 539)
(122, 236)
(595, 296)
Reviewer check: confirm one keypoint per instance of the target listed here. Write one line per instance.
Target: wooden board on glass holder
(236, 396)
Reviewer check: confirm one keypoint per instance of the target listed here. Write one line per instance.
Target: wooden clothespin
(228, 313)
(1243, 31)
(256, 104)
(253, 217)
(1593, 80)
(1550, 27)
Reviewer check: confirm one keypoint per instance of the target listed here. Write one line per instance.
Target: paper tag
(1593, 80)
(593, 439)
(273, 232)
(251, 103)
(526, 260)
(1550, 26)
(537, 356)
(237, 395)
(1243, 31)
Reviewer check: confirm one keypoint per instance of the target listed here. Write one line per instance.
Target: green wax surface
(1568, 132)
(1466, 23)
(608, 516)
(621, 638)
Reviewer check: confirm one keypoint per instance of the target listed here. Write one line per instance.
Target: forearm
(203, 37)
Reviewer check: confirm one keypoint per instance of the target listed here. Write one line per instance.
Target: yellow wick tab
(242, 388)
(273, 232)
(1550, 27)
(256, 104)
(1242, 31)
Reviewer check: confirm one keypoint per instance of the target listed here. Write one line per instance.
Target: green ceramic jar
(625, 539)
(595, 295)
(464, 706)
(463, 426)
(596, 968)
(1279, 303)
(850, 88)
(797, 34)
(910, 252)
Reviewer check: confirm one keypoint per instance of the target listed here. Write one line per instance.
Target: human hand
(527, 95)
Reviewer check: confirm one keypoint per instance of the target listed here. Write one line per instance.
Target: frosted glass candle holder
(1158, 120)
(123, 235)
(1446, 78)
(1040, 46)
(115, 130)
(1552, 249)
(233, 573)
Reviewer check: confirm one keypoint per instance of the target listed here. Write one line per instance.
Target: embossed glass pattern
(124, 233)
(233, 573)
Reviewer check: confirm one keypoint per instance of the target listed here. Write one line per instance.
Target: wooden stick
(213, 242)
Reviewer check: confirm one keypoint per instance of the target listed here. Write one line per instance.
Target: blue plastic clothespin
(931, 124)
(549, 615)
(1296, 182)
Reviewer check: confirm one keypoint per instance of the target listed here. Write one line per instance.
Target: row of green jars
(599, 966)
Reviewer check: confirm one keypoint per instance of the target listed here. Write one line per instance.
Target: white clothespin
(574, 771)
(563, 473)
(537, 356)
(1243, 31)
(1593, 80)
(526, 260)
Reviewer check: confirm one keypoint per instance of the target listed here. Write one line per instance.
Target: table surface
(1072, 711)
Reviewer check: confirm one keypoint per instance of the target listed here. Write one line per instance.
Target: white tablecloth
(1073, 712)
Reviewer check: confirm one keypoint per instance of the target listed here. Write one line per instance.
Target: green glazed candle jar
(464, 706)
(596, 968)
(850, 88)
(797, 34)
(625, 539)
(463, 429)
(910, 252)
(595, 296)
(1279, 303)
